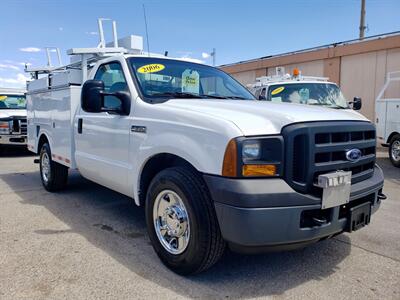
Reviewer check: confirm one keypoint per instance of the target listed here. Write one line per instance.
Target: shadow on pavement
(113, 223)
(391, 173)
(14, 151)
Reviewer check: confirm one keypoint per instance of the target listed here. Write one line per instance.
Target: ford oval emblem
(353, 155)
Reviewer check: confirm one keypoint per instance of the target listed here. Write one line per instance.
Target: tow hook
(382, 196)
(319, 221)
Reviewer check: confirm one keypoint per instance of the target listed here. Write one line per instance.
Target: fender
(190, 149)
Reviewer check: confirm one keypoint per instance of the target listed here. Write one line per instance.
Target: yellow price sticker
(3, 98)
(277, 90)
(151, 68)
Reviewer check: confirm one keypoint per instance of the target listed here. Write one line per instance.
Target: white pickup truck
(13, 126)
(210, 164)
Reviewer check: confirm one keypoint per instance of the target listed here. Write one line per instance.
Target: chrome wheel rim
(396, 151)
(45, 166)
(171, 222)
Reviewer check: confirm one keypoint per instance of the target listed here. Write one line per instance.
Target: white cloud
(205, 55)
(9, 66)
(17, 81)
(60, 28)
(92, 32)
(30, 49)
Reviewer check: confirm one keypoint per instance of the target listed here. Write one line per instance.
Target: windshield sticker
(151, 68)
(277, 90)
(191, 82)
(304, 95)
(3, 98)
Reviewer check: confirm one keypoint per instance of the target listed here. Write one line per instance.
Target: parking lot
(90, 242)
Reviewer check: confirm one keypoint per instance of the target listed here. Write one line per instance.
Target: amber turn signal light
(259, 170)
(229, 166)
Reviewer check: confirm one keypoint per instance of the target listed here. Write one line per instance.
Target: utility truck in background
(13, 127)
(300, 89)
(388, 118)
(211, 165)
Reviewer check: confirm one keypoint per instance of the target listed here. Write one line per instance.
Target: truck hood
(262, 117)
(8, 113)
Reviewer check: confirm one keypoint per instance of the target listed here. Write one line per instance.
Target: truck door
(102, 139)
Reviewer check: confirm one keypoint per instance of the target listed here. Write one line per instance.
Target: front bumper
(267, 213)
(13, 139)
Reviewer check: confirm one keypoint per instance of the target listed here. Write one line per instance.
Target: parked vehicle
(13, 128)
(210, 164)
(299, 89)
(388, 119)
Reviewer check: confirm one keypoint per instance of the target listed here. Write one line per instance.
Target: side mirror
(91, 96)
(125, 99)
(261, 97)
(357, 103)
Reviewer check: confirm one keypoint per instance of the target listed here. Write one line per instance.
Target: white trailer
(387, 112)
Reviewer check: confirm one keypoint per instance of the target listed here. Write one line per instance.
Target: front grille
(23, 126)
(19, 126)
(320, 147)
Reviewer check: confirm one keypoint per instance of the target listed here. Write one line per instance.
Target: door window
(114, 81)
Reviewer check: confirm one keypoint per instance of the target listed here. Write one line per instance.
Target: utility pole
(213, 55)
(362, 20)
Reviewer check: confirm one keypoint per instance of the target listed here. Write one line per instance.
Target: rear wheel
(181, 221)
(394, 150)
(54, 175)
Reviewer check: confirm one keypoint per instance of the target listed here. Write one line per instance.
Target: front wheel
(181, 221)
(394, 150)
(54, 175)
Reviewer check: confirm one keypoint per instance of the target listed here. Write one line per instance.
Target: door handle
(80, 125)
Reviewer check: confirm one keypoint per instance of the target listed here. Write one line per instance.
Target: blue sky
(239, 30)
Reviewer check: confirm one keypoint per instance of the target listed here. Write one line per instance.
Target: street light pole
(213, 55)
(362, 20)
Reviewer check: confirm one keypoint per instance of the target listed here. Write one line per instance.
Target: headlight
(251, 150)
(254, 157)
(4, 127)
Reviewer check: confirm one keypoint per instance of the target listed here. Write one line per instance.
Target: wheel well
(42, 140)
(391, 136)
(155, 165)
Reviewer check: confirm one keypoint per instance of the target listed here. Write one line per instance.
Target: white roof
(287, 79)
(12, 91)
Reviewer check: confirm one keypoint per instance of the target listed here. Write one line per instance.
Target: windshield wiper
(213, 96)
(236, 97)
(328, 105)
(196, 96)
(177, 95)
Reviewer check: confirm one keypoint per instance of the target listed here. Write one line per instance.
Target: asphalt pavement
(88, 242)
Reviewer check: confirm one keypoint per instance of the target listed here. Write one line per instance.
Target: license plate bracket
(359, 216)
(336, 188)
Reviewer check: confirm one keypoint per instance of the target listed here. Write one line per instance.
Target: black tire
(395, 141)
(57, 177)
(206, 244)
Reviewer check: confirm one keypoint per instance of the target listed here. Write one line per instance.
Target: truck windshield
(166, 78)
(12, 102)
(325, 94)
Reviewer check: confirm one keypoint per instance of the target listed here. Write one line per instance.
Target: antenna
(147, 33)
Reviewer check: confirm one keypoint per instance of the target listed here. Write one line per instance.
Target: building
(359, 67)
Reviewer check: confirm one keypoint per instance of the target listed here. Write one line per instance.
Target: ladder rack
(87, 56)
